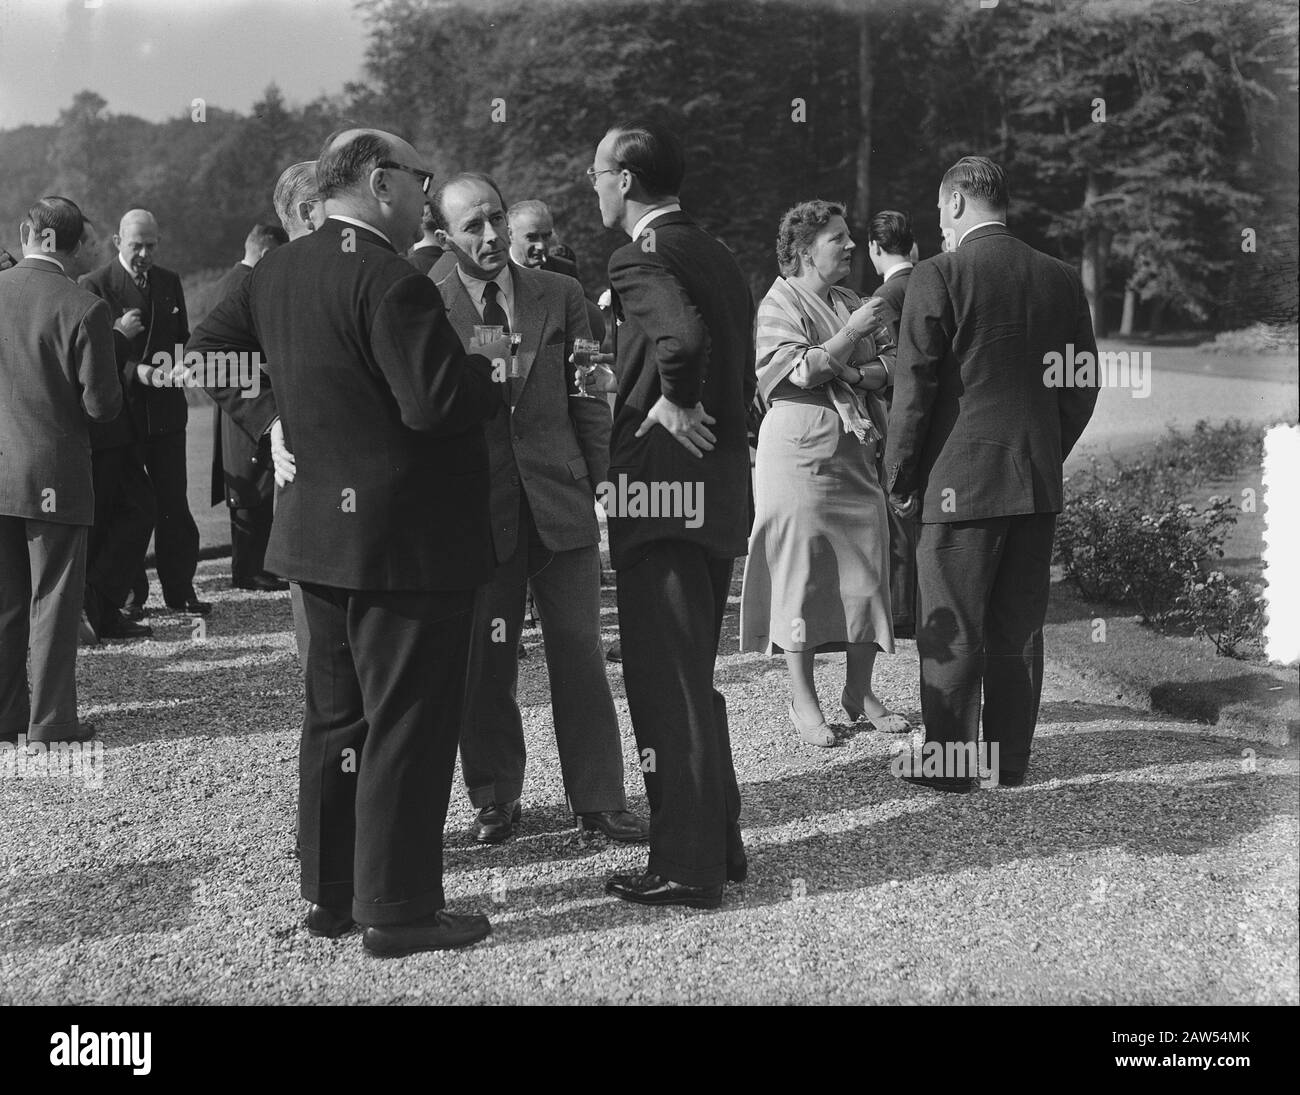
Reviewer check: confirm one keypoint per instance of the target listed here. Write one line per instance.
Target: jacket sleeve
(229, 329)
(439, 388)
(1075, 405)
(657, 302)
(96, 361)
(590, 417)
(925, 335)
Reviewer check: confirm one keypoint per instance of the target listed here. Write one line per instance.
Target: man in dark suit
(242, 474)
(685, 365)
(428, 250)
(547, 451)
(977, 438)
(57, 366)
(155, 403)
(385, 525)
(892, 249)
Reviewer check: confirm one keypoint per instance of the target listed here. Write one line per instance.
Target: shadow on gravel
(44, 910)
(1203, 701)
(955, 834)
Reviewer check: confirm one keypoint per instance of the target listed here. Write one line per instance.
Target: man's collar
(646, 218)
(424, 245)
(897, 268)
(361, 224)
(127, 267)
(245, 262)
(982, 224)
(475, 285)
(49, 258)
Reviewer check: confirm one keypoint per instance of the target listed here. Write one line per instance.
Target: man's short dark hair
(653, 153)
(61, 215)
(266, 236)
(342, 168)
(431, 219)
(979, 179)
(439, 214)
(892, 230)
(799, 227)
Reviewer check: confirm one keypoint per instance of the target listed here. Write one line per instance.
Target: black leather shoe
(134, 612)
(260, 583)
(328, 923)
(1008, 777)
(117, 626)
(614, 653)
(192, 607)
(737, 870)
(440, 932)
(497, 822)
(83, 732)
(619, 825)
(652, 889)
(956, 785)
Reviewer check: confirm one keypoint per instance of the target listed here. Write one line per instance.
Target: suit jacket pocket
(578, 468)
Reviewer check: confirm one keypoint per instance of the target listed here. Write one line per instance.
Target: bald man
(149, 315)
(386, 528)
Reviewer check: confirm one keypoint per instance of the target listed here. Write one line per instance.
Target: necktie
(142, 283)
(493, 314)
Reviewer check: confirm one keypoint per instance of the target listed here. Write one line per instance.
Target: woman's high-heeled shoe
(820, 735)
(888, 723)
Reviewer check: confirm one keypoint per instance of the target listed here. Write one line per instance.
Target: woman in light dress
(817, 575)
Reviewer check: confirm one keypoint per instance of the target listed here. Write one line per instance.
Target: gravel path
(1143, 862)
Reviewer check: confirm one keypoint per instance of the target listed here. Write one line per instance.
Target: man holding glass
(549, 448)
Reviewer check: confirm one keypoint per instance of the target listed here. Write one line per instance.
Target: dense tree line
(1153, 144)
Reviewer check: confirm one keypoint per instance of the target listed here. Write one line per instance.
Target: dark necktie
(493, 314)
(142, 283)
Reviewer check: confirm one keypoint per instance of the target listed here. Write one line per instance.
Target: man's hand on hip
(281, 458)
(689, 425)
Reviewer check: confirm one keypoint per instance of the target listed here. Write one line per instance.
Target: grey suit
(57, 366)
(546, 459)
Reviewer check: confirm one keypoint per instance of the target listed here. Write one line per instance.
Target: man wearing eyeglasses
(385, 526)
(685, 366)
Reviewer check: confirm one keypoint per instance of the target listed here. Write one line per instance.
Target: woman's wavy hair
(799, 227)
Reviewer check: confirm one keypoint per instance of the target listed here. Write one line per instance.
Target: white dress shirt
(361, 224)
(982, 224)
(506, 297)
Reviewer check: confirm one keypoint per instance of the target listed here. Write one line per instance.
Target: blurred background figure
(534, 245)
(133, 285)
(816, 579)
(428, 250)
(242, 474)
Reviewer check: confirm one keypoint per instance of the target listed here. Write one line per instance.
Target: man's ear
(117, 242)
(442, 239)
(379, 185)
(24, 233)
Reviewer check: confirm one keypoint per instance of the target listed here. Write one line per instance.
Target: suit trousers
(250, 531)
(566, 590)
(175, 537)
(124, 520)
(44, 577)
(385, 683)
(984, 587)
(671, 602)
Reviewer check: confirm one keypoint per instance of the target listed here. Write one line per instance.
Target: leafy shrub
(1227, 611)
(1125, 548)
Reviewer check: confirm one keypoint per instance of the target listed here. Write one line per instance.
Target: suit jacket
(687, 333)
(423, 258)
(57, 366)
(973, 425)
(381, 406)
(241, 471)
(893, 292)
(553, 264)
(554, 448)
(149, 410)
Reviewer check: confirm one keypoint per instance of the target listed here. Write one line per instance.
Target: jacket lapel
(462, 313)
